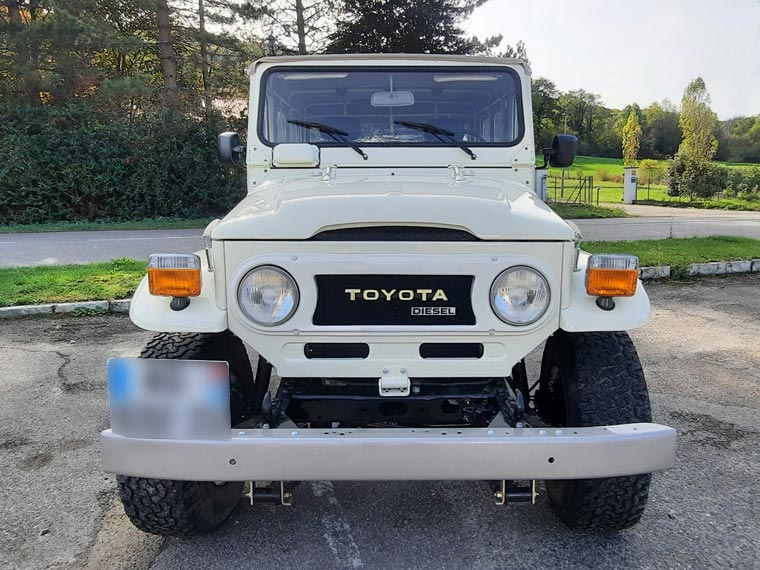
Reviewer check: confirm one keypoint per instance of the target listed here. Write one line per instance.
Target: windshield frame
(390, 68)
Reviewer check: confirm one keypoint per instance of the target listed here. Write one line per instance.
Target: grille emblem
(396, 294)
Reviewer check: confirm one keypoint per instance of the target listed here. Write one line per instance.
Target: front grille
(395, 233)
(394, 300)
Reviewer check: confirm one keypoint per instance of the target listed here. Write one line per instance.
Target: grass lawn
(585, 211)
(680, 252)
(116, 279)
(151, 224)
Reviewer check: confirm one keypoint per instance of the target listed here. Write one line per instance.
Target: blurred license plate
(169, 399)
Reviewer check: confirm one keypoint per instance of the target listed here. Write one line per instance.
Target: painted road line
(145, 238)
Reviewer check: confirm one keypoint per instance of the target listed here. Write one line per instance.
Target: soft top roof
(387, 57)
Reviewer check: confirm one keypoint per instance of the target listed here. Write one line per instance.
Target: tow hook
(276, 493)
(509, 492)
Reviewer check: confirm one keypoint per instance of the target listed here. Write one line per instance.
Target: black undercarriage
(432, 402)
(337, 403)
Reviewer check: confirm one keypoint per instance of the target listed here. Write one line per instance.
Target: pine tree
(300, 26)
(406, 26)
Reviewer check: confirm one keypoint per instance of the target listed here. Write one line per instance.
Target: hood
(297, 208)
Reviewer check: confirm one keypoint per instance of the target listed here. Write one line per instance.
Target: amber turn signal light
(174, 274)
(610, 275)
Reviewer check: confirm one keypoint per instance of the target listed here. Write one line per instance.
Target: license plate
(169, 399)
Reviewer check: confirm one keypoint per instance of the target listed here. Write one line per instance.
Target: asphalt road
(82, 247)
(702, 359)
(658, 222)
(58, 248)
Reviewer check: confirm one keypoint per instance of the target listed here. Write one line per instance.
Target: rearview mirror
(563, 151)
(392, 99)
(230, 149)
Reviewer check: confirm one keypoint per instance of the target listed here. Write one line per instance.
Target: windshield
(476, 106)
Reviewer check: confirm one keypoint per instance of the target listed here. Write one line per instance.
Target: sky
(641, 51)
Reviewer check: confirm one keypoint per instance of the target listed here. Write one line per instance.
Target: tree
(546, 110)
(739, 140)
(518, 51)
(301, 26)
(650, 170)
(221, 14)
(661, 132)
(406, 26)
(695, 178)
(691, 172)
(212, 48)
(166, 51)
(698, 123)
(22, 68)
(580, 111)
(631, 139)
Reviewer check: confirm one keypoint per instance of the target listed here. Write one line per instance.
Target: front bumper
(398, 454)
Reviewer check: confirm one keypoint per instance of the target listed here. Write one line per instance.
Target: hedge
(79, 162)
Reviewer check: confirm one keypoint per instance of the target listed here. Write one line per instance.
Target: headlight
(520, 295)
(268, 295)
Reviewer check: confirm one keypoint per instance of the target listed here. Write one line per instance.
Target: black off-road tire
(595, 379)
(177, 508)
(187, 508)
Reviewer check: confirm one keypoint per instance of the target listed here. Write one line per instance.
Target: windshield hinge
(459, 172)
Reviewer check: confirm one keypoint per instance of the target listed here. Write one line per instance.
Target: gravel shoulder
(702, 359)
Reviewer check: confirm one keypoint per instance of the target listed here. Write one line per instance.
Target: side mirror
(563, 151)
(230, 149)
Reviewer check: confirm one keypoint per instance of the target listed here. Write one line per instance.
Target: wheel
(594, 379)
(187, 508)
(177, 508)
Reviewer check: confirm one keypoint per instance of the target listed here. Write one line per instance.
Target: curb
(122, 305)
(119, 306)
(703, 269)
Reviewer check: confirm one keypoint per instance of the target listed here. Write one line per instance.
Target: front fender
(582, 314)
(201, 315)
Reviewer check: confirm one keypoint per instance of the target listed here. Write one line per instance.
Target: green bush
(80, 162)
(695, 178)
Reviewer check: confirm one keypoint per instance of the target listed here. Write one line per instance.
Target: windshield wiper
(336, 134)
(438, 133)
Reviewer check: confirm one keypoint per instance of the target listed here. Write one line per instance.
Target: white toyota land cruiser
(394, 262)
